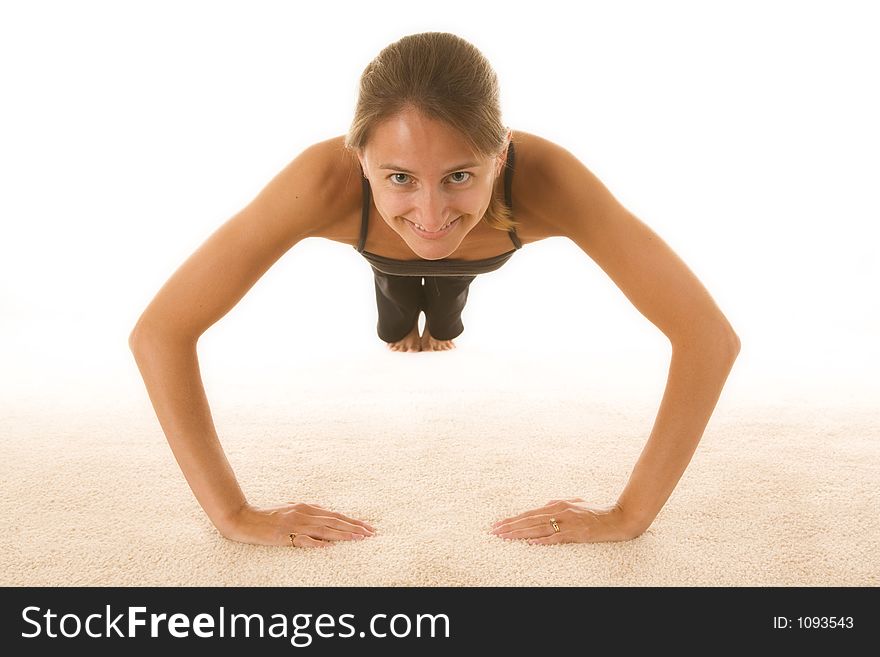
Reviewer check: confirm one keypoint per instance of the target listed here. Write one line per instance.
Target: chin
(433, 251)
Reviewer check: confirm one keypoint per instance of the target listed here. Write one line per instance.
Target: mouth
(432, 235)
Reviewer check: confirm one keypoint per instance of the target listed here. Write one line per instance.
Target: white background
(744, 133)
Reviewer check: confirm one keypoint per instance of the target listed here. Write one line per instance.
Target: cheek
(391, 204)
(471, 201)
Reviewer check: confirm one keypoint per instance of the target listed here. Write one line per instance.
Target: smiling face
(427, 183)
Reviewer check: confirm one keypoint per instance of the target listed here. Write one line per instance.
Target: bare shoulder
(556, 191)
(572, 202)
(327, 176)
(307, 198)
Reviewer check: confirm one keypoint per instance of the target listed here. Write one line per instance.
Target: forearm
(697, 373)
(170, 370)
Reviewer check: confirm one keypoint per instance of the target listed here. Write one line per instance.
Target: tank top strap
(508, 176)
(366, 198)
(508, 192)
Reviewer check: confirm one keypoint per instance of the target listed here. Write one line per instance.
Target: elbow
(728, 343)
(141, 335)
(148, 334)
(138, 334)
(720, 340)
(729, 339)
(735, 343)
(137, 339)
(133, 338)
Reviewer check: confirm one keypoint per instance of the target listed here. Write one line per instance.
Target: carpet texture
(431, 449)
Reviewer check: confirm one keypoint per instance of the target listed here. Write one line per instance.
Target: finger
(524, 514)
(513, 525)
(330, 534)
(532, 531)
(348, 522)
(555, 537)
(544, 509)
(346, 526)
(318, 510)
(541, 521)
(305, 541)
(523, 519)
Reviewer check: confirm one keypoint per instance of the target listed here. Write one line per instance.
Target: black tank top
(446, 266)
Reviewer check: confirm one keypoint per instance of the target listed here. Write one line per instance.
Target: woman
(433, 189)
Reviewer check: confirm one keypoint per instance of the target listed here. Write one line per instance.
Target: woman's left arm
(704, 348)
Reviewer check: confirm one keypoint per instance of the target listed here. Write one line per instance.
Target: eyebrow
(394, 167)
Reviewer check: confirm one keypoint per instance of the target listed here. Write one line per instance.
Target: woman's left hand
(576, 521)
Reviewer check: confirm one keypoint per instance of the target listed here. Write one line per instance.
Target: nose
(431, 211)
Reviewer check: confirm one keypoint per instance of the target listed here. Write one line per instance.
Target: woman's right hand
(312, 526)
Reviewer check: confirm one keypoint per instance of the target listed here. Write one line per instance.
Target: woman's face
(427, 184)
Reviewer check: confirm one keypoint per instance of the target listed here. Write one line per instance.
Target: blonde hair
(445, 78)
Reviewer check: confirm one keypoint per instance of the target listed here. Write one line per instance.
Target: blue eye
(457, 176)
(396, 178)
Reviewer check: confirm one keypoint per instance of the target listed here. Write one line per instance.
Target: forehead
(418, 143)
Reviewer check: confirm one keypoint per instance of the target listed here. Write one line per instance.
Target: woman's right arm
(209, 284)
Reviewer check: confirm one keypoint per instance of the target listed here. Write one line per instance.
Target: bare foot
(410, 343)
(430, 343)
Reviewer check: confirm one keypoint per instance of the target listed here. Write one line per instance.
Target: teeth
(420, 227)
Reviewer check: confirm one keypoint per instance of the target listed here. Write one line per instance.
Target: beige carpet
(430, 449)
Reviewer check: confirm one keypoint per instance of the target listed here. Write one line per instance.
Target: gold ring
(292, 536)
(555, 526)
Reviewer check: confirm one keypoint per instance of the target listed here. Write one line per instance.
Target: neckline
(457, 261)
